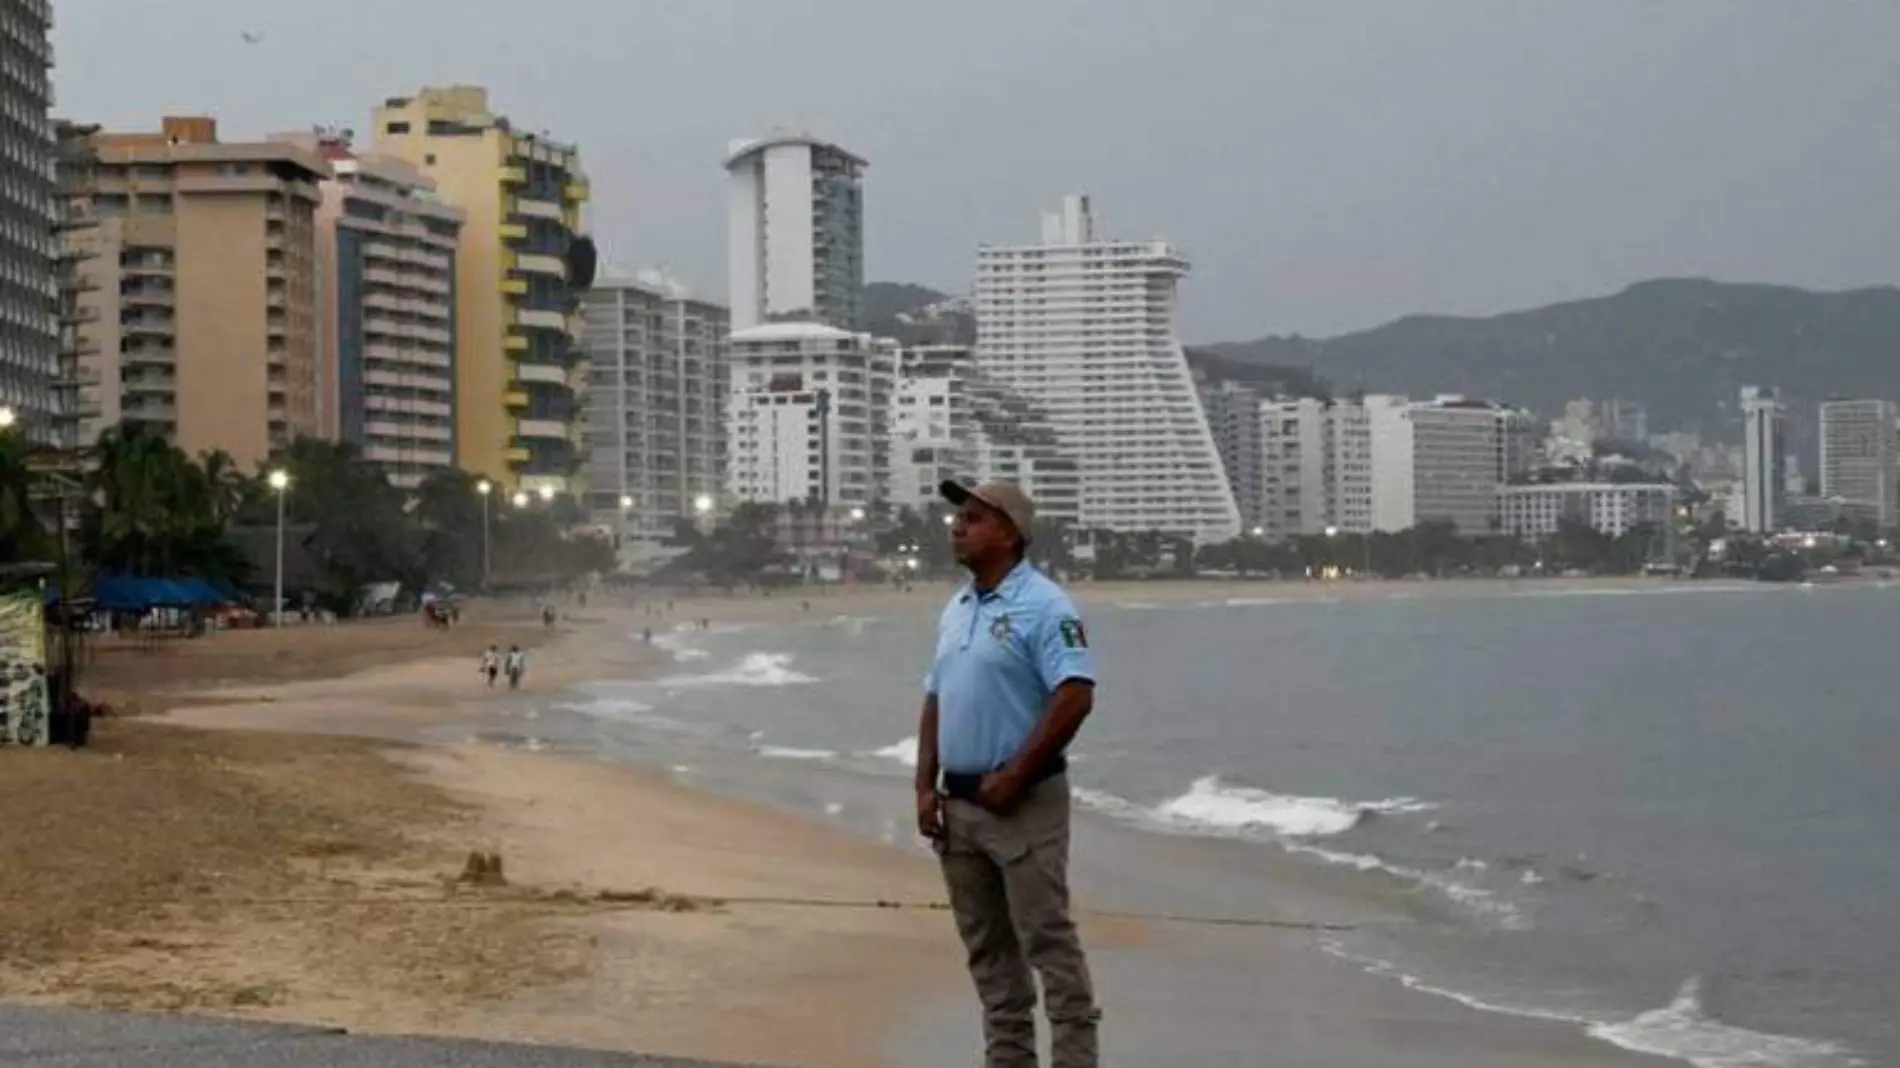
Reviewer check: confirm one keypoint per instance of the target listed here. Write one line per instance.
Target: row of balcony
(575, 191)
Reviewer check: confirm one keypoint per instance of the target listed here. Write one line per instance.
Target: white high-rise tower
(1084, 327)
(796, 230)
(1764, 460)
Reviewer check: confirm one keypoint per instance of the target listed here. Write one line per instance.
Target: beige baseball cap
(1006, 497)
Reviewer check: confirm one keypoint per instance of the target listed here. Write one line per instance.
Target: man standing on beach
(1012, 681)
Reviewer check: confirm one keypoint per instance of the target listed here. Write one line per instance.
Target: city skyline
(1531, 155)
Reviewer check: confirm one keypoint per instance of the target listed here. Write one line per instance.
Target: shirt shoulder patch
(1074, 635)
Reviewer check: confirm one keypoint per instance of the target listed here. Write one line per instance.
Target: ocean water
(1667, 816)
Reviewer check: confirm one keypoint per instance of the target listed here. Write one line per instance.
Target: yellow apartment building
(519, 368)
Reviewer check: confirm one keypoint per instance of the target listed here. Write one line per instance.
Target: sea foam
(1684, 1031)
(1218, 806)
(755, 669)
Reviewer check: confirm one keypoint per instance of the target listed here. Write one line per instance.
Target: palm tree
(153, 510)
(229, 486)
(22, 537)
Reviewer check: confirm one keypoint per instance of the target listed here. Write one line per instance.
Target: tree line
(143, 506)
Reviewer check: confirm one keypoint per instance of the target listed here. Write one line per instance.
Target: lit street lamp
(547, 493)
(280, 482)
(702, 504)
(520, 499)
(484, 487)
(7, 418)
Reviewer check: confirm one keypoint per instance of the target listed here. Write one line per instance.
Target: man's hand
(1000, 792)
(929, 813)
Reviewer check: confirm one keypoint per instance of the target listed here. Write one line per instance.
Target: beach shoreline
(643, 914)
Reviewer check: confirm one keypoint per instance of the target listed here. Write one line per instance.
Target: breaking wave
(755, 669)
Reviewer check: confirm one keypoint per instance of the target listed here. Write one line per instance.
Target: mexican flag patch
(1073, 635)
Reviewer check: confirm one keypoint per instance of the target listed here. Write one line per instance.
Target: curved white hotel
(1085, 329)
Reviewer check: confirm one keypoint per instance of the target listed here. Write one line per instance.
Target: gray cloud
(1327, 165)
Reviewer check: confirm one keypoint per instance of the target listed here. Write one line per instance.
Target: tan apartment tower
(520, 371)
(386, 263)
(197, 289)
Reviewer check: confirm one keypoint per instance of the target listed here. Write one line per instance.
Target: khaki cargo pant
(1008, 879)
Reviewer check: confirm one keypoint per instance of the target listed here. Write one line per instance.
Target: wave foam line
(755, 669)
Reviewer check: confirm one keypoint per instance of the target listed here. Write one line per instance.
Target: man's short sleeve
(1062, 645)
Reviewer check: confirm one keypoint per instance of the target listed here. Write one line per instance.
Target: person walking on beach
(491, 664)
(517, 664)
(1012, 680)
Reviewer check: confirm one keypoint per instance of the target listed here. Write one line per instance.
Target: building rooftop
(739, 150)
(798, 331)
(195, 140)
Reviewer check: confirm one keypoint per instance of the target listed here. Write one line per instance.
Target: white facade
(808, 415)
(1764, 460)
(1295, 467)
(1860, 458)
(30, 344)
(1612, 508)
(1443, 461)
(795, 226)
(656, 403)
(1084, 329)
(950, 420)
(1233, 417)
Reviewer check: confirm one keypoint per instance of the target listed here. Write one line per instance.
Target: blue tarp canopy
(126, 593)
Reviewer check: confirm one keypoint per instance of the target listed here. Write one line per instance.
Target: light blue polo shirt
(999, 657)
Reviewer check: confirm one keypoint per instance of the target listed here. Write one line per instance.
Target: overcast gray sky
(1327, 164)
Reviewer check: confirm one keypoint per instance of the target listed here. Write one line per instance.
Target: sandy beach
(274, 839)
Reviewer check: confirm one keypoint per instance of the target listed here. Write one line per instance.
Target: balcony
(512, 231)
(579, 191)
(551, 374)
(515, 343)
(533, 263)
(515, 398)
(543, 320)
(514, 176)
(515, 286)
(517, 455)
(147, 327)
(153, 296)
(540, 209)
(549, 429)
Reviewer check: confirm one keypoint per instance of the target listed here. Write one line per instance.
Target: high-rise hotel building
(519, 369)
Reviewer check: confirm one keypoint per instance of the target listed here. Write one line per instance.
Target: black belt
(963, 786)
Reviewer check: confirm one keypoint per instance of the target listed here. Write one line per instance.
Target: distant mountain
(919, 315)
(1684, 346)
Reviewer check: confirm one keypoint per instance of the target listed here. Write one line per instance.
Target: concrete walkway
(64, 1038)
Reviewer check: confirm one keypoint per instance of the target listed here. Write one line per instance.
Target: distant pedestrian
(517, 666)
(491, 664)
(1011, 683)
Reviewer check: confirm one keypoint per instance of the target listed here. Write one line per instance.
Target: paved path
(63, 1038)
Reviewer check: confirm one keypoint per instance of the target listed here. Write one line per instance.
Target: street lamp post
(280, 482)
(484, 488)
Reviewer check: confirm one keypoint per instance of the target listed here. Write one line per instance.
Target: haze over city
(1326, 166)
